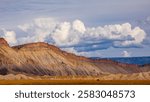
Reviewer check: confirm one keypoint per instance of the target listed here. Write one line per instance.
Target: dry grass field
(74, 82)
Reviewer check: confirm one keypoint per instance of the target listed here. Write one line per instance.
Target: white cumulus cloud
(123, 35)
(9, 35)
(75, 36)
(38, 30)
(78, 26)
(68, 33)
(126, 54)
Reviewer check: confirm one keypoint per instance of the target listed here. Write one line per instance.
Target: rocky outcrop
(3, 42)
(44, 59)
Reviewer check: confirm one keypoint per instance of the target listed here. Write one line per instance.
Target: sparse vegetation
(74, 82)
(137, 78)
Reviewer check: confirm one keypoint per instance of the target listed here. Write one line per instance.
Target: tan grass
(75, 82)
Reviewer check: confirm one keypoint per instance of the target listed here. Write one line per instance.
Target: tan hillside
(44, 59)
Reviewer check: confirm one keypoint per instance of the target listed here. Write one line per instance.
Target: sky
(92, 28)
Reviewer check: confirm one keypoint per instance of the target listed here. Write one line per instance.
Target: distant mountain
(43, 59)
(130, 60)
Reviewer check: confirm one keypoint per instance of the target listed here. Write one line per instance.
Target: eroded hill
(44, 59)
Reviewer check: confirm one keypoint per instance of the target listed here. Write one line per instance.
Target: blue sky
(99, 28)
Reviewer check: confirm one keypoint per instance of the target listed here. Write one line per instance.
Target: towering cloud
(38, 30)
(66, 33)
(78, 26)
